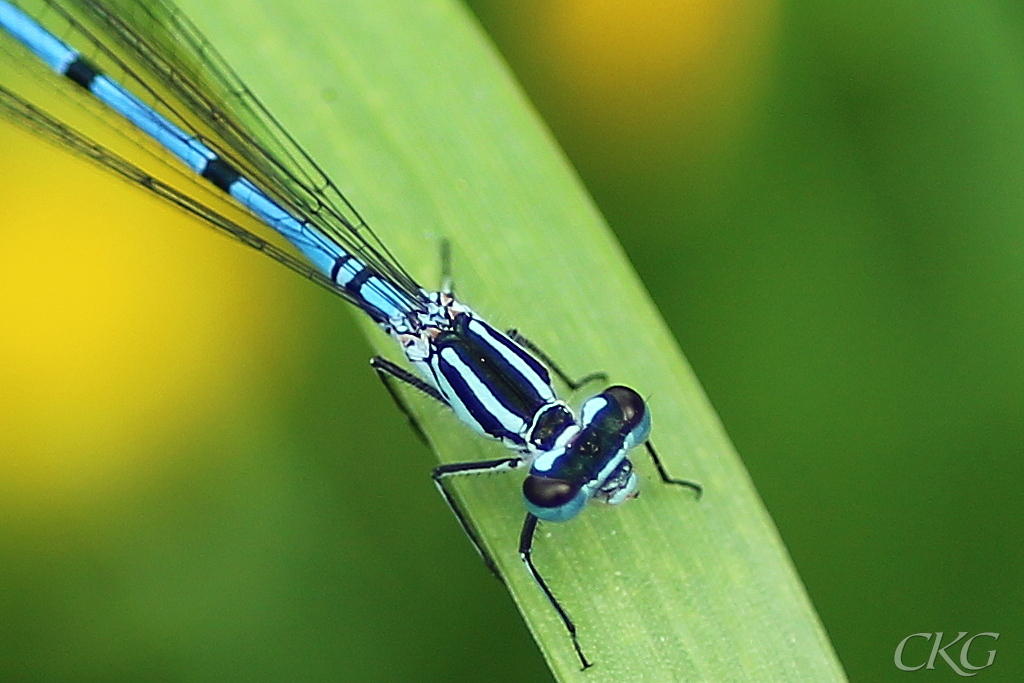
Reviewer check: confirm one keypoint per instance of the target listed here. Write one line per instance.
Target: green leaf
(411, 111)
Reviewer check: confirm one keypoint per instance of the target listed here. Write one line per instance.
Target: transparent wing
(27, 116)
(154, 50)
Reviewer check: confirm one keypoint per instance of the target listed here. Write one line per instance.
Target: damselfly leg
(574, 385)
(448, 287)
(605, 492)
(526, 554)
(666, 477)
(447, 283)
(442, 473)
(388, 373)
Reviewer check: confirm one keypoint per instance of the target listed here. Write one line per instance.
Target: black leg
(443, 472)
(388, 370)
(448, 287)
(575, 385)
(388, 373)
(526, 553)
(447, 284)
(665, 476)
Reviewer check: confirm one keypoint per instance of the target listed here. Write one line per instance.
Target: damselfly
(498, 383)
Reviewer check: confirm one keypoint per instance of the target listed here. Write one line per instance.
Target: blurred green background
(200, 479)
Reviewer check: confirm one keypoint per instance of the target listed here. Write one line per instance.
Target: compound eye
(553, 500)
(635, 416)
(630, 403)
(545, 492)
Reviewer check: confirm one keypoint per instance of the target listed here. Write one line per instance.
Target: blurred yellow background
(121, 322)
(201, 478)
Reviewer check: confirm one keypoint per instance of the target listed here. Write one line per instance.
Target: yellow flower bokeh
(121, 322)
(646, 65)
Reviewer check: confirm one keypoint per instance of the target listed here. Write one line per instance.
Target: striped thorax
(492, 383)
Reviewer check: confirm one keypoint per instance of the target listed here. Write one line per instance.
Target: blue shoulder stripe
(477, 396)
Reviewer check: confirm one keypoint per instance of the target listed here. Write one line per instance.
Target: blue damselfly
(498, 383)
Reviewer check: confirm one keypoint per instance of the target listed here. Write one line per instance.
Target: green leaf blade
(416, 118)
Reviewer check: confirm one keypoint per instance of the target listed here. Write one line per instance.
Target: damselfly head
(593, 464)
